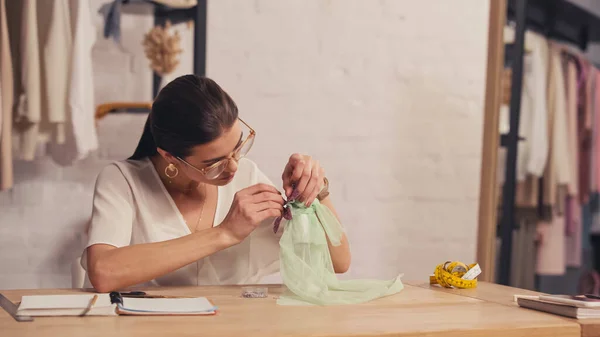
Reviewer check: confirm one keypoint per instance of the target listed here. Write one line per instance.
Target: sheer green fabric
(306, 267)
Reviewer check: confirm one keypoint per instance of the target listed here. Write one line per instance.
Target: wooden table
(415, 311)
(503, 295)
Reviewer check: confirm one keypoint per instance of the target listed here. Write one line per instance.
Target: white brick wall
(387, 95)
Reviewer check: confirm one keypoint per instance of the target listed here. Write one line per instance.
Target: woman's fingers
(268, 213)
(291, 173)
(314, 181)
(311, 198)
(297, 179)
(258, 188)
(303, 181)
(267, 196)
(266, 205)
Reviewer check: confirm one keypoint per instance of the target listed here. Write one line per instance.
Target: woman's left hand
(306, 175)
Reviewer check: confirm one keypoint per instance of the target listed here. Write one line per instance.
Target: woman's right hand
(250, 207)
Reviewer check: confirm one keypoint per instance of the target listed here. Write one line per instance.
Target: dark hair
(191, 110)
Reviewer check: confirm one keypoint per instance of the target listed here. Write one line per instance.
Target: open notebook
(84, 305)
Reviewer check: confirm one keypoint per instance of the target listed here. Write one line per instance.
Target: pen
(141, 294)
(90, 305)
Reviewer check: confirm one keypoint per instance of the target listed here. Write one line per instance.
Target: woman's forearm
(340, 255)
(113, 268)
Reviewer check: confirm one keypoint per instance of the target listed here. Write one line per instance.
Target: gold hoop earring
(172, 168)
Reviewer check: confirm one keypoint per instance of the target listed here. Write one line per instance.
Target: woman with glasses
(188, 207)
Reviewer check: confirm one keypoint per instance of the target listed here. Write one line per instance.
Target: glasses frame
(224, 161)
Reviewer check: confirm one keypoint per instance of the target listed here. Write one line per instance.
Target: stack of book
(579, 306)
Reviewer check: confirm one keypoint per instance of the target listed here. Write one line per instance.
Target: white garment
(80, 128)
(533, 150)
(131, 206)
(57, 64)
(81, 89)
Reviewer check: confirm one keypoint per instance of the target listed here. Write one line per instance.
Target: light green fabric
(306, 267)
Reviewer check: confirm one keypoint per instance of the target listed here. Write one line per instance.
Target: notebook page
(170, 305)
(63, 301)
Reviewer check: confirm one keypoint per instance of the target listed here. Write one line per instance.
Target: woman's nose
(232, 165)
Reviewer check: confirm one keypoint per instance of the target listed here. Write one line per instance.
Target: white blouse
(132, 206)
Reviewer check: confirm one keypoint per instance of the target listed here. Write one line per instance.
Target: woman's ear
(166, 155)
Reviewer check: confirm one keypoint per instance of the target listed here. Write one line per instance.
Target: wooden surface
(485, 291)
(499, 294)
(488, 195)
(415, 311)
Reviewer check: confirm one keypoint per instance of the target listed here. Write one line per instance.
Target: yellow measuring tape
(454, 274)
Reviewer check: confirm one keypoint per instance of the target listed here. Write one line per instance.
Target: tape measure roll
(455, 274)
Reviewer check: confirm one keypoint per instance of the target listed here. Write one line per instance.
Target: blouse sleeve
(112, 211)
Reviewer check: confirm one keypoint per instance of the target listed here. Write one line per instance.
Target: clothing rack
(558, 20)
(162, 14)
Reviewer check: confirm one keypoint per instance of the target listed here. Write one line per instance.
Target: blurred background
(395, 98)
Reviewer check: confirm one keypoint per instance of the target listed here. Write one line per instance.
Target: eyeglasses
(213, 171)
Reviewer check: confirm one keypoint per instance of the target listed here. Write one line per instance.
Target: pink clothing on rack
(596, 164)
(594, 147)
(584, 129)
(580, 124)
(573, 126)
(573, 240)
(551, 253)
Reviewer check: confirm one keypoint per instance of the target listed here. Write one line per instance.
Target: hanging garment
(584, 127)
(81, 91)
(557, 174)
(582, 117)
(29, 114)
(551, 249)
(533, 150)
(527, 193)
(306, 267)
(595, 204)
(549, 180)
(586, 221)
(593, 145)
(571, 89)
(551, 252)
(81, 129)
(596, 97)
(573, 248)
(1, 103)
(595, 213)
(6, 77)
(523, 259)
(595, 201)
(56, 55)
